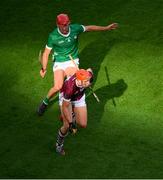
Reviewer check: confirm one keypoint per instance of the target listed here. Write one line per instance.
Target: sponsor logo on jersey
(68, 39)
(60, 42)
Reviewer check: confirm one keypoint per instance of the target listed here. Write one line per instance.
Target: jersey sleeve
(79, 28)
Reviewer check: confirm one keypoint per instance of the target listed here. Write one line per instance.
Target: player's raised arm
(101, 28)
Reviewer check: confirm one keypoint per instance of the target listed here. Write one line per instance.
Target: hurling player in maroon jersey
(71, 95)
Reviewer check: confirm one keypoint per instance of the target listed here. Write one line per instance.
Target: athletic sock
(73, 117)
(60, 138)
(46, 101)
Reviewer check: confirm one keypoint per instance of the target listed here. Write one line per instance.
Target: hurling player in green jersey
(63, 42)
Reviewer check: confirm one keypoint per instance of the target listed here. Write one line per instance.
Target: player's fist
(42, 73)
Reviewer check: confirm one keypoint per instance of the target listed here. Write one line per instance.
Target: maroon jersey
(71, 91)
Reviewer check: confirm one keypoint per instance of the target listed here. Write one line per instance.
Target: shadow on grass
(92, 56)
(94, 53)
(105, 93)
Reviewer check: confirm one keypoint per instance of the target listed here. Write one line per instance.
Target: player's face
(64, 28)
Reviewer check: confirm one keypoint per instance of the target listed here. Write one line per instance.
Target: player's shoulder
(76, 26)
(53, 34)
(70, 82)
(71, 79)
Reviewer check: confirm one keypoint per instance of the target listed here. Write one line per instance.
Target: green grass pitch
(124, 136)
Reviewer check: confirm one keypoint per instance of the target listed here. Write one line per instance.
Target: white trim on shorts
(64, 65)
(79, 103)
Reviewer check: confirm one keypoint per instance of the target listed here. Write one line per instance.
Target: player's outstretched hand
(112, 26)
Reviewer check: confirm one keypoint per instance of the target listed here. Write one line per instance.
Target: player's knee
(66, 126)
(57, 87)
(83, 125)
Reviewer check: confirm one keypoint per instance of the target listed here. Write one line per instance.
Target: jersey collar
(65, 35)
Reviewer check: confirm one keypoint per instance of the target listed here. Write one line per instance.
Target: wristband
(43, 70)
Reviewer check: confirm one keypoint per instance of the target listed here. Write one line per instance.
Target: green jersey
(64, 45)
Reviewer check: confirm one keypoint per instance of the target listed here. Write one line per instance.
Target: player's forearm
(101, 28)
(96, 28)
(45, 60)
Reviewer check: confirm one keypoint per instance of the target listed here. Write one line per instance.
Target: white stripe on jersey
(83, 28)
(48, 47)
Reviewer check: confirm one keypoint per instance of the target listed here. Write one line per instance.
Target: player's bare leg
(81, 116)
(70, 71)
(58, 83)
(72, 124)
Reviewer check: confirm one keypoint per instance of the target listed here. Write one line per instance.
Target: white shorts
(80, 103)
(65, 65)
